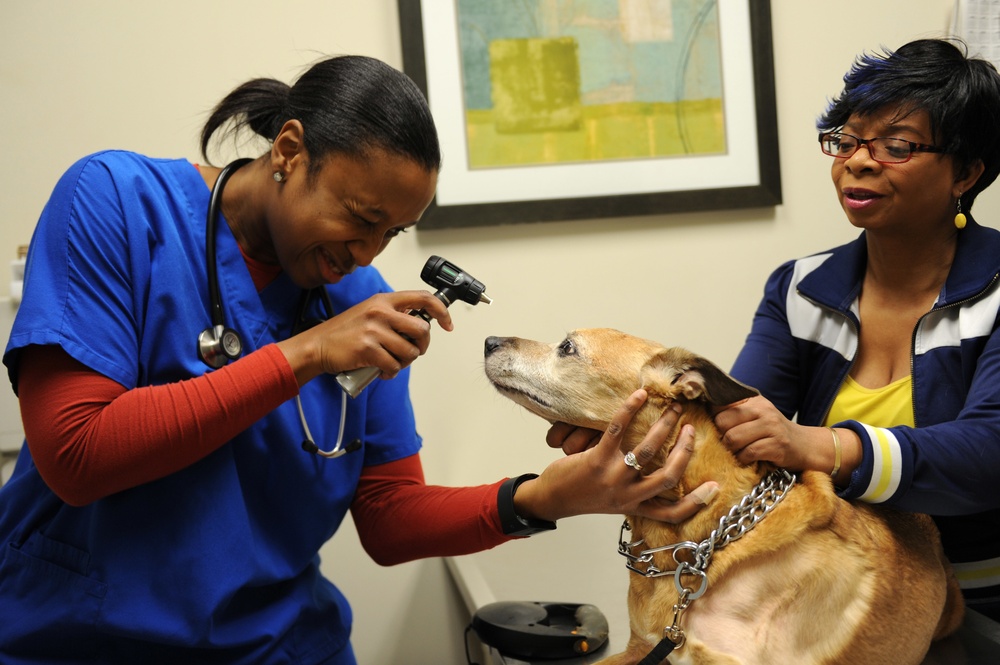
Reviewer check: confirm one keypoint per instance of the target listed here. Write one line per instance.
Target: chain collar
(692, 558)
(740, 519)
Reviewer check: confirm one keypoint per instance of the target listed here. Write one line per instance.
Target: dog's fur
(818, 581)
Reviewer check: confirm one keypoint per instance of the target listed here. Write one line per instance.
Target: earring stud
(278, 176)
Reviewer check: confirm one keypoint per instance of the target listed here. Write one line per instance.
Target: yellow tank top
(881, 407)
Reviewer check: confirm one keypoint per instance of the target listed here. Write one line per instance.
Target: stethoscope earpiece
(339, 448)
(310, 446)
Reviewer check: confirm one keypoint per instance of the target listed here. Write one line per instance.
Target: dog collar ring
(631, 461)
(740, 519)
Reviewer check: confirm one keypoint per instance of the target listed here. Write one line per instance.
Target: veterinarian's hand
(572, 439)
(377, 332)
(595, 479)
(755, 431)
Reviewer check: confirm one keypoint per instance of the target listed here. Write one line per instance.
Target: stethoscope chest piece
(218, 345)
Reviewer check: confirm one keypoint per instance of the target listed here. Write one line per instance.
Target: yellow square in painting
(535, 84)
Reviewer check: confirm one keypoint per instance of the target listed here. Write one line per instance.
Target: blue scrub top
(217, 562)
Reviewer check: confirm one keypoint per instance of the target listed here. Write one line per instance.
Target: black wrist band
(512, 523)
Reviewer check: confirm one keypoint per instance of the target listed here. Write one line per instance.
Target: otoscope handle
(356, 380)
(453, 284)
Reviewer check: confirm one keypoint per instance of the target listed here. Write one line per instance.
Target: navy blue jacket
(801, 347)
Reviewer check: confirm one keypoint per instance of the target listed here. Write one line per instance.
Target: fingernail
(702, 495)
(675, 407)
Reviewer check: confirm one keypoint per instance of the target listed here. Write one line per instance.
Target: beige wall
(91, 74)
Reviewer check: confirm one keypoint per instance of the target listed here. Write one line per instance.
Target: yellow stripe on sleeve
(887, 465)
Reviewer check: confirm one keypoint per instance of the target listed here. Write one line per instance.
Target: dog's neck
(711, 461)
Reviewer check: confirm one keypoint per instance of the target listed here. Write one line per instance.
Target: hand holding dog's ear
(755, 431)
(597, 480)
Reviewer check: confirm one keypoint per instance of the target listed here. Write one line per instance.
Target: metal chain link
(740, 519)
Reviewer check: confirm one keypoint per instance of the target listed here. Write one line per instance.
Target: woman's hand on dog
(755, 431)
(593, 477)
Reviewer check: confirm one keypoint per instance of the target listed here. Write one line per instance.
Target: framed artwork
(552, 110)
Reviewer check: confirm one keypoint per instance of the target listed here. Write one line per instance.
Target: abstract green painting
(569, 81)
(580, 109)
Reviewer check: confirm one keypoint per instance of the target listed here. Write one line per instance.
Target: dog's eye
(567, 348)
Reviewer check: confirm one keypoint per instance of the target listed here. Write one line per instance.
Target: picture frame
(746, 174)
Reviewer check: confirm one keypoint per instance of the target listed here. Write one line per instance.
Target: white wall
(81, 76)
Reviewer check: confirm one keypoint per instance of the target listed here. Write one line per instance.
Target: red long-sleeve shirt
(90, 437)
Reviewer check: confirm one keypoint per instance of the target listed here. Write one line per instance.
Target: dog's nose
(492, 344)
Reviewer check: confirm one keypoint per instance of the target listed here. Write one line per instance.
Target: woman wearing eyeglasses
(885, 351)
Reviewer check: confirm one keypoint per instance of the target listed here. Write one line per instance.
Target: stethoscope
(219, 344)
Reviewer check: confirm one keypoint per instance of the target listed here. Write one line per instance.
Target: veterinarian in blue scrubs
(885, 350)
(165, 512)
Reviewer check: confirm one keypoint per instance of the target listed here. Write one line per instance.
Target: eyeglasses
(882, 150)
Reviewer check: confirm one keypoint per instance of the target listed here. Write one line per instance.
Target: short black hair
(347, 105)
(961, 95)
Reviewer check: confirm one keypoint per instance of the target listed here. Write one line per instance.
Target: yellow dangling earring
(960, 216)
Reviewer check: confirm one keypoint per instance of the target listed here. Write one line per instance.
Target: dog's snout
(492, 344)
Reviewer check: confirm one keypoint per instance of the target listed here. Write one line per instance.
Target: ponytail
(258, 105)
(347, 105)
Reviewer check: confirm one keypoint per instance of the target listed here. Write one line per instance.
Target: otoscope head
(453, 283)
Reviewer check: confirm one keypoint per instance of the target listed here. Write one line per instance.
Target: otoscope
(452, 283)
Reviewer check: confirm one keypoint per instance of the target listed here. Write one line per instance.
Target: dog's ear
(703, 379)
(692, 377)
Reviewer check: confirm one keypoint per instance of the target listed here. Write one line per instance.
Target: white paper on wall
(978, 23)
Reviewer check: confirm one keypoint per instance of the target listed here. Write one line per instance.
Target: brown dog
(817, 580)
